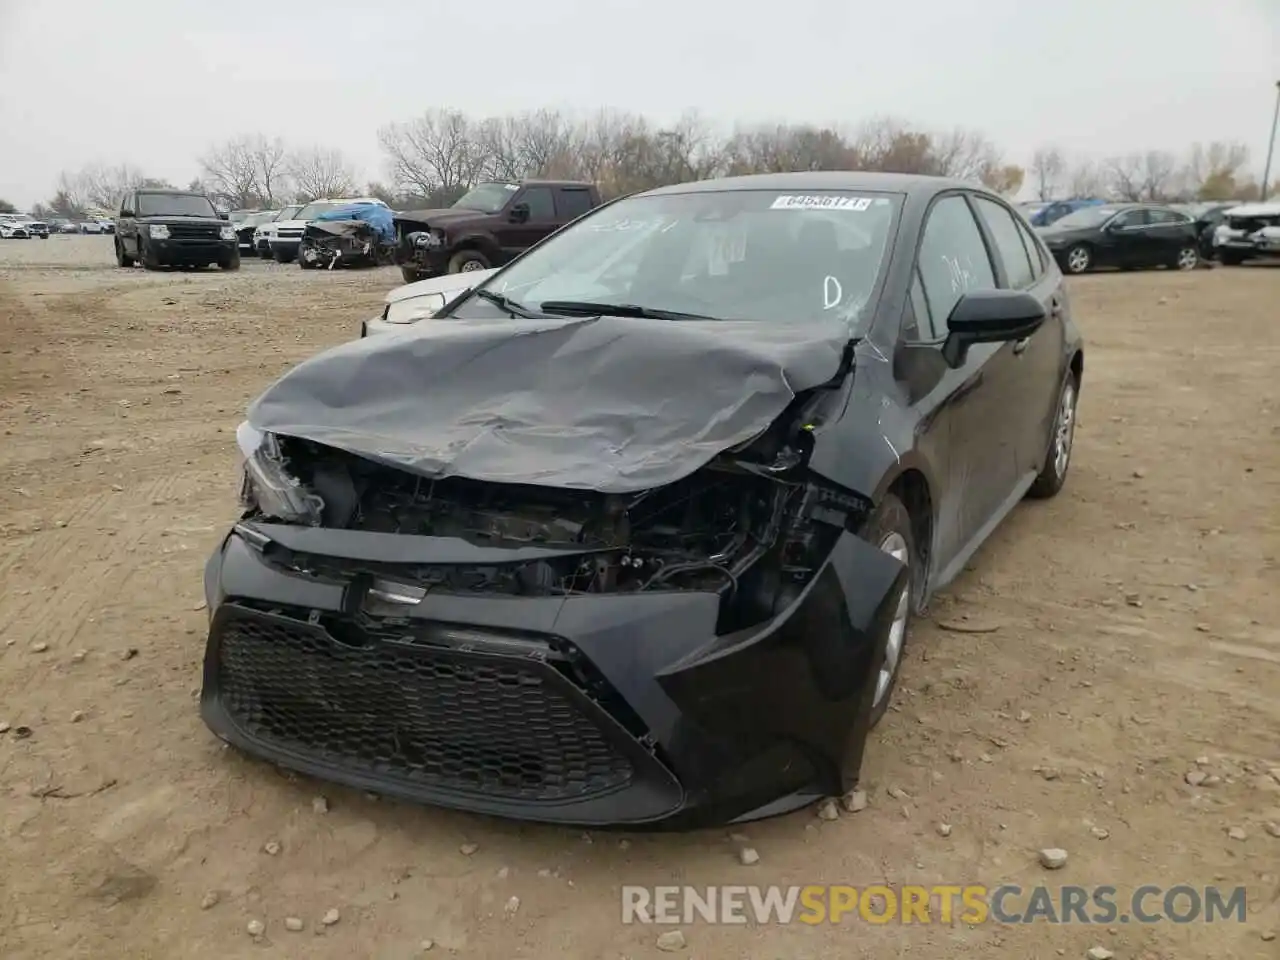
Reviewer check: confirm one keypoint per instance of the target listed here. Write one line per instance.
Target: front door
(516, 237)
(1128, 241)
(978, 459)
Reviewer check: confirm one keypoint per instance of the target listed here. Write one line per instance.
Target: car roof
(171, 191)
(908, 183)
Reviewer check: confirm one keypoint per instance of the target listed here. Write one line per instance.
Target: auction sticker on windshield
(801, 202)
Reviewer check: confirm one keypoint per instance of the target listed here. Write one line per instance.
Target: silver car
(421, 300)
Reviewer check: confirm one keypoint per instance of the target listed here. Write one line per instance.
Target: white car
(1250, 230)
(284, 236)
(421, 300)
(13, 228)
(91, 226)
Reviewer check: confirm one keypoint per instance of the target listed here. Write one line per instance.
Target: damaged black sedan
(632, 532)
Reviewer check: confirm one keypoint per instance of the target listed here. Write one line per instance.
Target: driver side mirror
(990, 316)
(224, 216)
(519, 212)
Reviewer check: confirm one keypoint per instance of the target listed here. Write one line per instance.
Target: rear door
(1171, 233)
(571, 203)
(1022, 264)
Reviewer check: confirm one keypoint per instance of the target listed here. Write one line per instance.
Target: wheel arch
(911, 486)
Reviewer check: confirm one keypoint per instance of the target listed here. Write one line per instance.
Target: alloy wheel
(1188, 258)
(1065, 429)
(1078, 260)
(471, 266)
(895, 545)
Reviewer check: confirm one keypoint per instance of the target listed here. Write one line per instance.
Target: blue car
(1041, 213)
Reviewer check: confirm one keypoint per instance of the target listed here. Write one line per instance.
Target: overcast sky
(154, 82)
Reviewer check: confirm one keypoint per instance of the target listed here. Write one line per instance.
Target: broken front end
(421, 249)
(335, 243)
(698, 652)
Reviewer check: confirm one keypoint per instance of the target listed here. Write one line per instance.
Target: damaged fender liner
(611, 404)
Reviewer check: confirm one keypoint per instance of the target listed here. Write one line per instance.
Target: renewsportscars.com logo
(943, 904)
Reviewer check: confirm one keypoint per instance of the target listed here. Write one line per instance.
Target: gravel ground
(1129, 638)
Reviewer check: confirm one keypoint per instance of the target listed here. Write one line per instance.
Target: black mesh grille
(188, 231)
(497, 726)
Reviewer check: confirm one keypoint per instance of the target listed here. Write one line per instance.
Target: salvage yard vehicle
(421, 300)
(361, 234)
(261, 242)
(24, 223)
(632, 532)
(248, 225)
(285, 236)
(488, 226)
(1125, 235)
(1251, 231)
(13, 228)
(163, 228)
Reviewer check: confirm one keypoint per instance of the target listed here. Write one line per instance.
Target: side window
(1004, 230)
(1033, 251)
(572, 202)
(1166, 217)
(1131, 218)
(953, 259)
(541, 206)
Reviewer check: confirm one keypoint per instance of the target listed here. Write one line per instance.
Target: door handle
(1020, 345)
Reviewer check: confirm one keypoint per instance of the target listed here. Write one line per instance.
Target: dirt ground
(1136, 633)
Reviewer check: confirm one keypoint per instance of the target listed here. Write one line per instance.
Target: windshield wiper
(513, 307)
(591, 308)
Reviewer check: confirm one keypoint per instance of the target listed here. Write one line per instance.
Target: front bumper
(428, 261)
(608, 710)
(192, 251)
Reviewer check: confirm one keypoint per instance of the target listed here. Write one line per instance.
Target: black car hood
(610, 404)
(443, 215)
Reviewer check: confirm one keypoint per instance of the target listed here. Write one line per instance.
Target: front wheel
(122, 258)
(282, 256)
(230, 262)
(1188, 258)
(148, 257)
(889, 528)
(1054, 472)
(1079, 258)
(468, 261)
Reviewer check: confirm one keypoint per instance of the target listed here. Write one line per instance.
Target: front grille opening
(427, 717)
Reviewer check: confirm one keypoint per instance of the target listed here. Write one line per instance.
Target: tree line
(435, 157)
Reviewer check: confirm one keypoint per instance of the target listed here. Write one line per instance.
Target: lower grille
(481, 724)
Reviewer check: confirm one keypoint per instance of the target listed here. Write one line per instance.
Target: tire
(231, 262)
(122, 258)
(149, 261)
(304, 263)
(1188, 258)
(1062, 438)
(412, 274)
(889, 528)
(1078, 259)
(283, 257)
(1230, 259)
(465, 261)
(264, 253)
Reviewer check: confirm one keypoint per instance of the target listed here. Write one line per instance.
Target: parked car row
(22, 226)
(1182, 236)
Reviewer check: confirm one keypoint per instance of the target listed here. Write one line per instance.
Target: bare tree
(249, 170)
(1003, 178)
(317, 172)
(1086, 180)
(1124, 174)
(7, 207)
(436, 152)
(1158, 168)
(1047, 167)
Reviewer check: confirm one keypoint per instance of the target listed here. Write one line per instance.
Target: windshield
(253, 219)
(313, 210)
(174, 205)
(1087, 217)
(728, 255)
(487, 197)
(288, 213)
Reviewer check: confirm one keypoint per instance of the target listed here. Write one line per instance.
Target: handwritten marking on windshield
(832, 293)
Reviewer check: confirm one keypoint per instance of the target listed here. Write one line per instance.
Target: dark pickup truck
(490, 225)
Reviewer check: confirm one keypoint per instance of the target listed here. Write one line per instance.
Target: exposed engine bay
(327, 244)
(732, 528)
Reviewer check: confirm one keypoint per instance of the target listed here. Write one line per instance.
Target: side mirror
(520, 212)
(224, 216)
(990, 316)
(127, 213)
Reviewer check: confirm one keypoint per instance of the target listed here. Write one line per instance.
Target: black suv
(174, 228)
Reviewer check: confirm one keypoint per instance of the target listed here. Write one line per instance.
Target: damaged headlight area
(267, 489)
(752, 531)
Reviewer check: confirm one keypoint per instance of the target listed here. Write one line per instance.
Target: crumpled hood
(612, 404)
